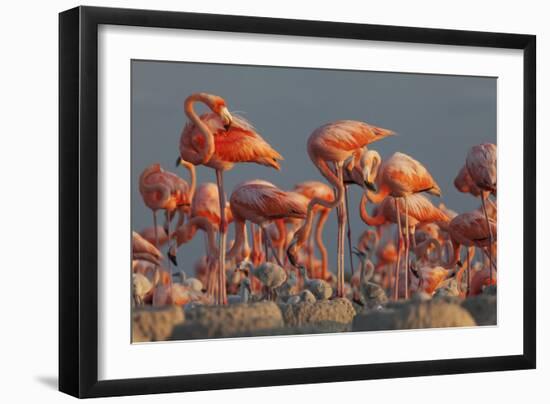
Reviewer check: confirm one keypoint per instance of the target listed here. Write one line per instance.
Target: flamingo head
(245, 266)
(291, 253)
(367, 169)
(172, 255)
(218, 106)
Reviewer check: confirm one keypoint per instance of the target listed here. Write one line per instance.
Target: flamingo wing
(472, 225)
(349, 135)
(268, 202)
(239, 144)
(140, 245)
(481, 163)
(405, 175)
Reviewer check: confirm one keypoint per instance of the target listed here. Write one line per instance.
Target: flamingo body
(238, 144)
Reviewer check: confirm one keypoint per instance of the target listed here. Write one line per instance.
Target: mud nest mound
(483, 308)
(236, 320)
(327, 314)
(155, 324)
(412, 315)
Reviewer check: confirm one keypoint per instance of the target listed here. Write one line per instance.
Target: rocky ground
(328, 316)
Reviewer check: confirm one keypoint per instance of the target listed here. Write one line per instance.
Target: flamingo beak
(226, 118)
(178, 162)
(370, 185)
(172, 258)
(290, 253)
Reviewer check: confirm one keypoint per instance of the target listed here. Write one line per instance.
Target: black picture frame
(78, 196)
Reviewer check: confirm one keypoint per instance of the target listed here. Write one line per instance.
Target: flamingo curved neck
(323, 215)
(188, 231)
(366, 275)
(206, 152)
(377, 220)
(192, 177)
(454, 256)
(337, 181)
(421, 250)
(377, 197)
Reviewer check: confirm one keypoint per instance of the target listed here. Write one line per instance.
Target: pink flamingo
(261, 202)
(413, 211)
(481, 163)
(465, 184)
(341, 143)
(144, 250)
(470, 229)
(159, 190)
(187, 191)
(219, 140)
(400, 176)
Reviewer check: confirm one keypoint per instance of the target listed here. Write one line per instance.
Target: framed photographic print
(281, 201)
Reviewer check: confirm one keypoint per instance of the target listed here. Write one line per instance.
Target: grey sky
(437, 118)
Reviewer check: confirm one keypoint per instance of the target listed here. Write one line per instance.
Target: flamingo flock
(407, 246)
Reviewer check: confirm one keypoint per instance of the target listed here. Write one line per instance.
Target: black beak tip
(370, 186)
(178, 161)
(226, 126)
(173, 259)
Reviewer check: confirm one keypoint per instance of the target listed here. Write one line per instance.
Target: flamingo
(261, 203)
(430, 277)
(270, 275)
(320, 288)
(417, 210)
(205, 203)
(464, 183)
(186, 192)
(384, 248)
(143, 250)
(372, 294)
(158, 191)
(341, 143)
(311, 190)
(244, 293)
(470, 229)
(192, 283)
(219, 140)
(481, 163)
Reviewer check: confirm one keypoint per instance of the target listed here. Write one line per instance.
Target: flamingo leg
(350, 248)
(266, 249)
(341, 230)
(222, 240)
(491, 240)
(169, 261)
(399, 246)
(155, 228)
(468, 275)
(407, 246)
(269, 246)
